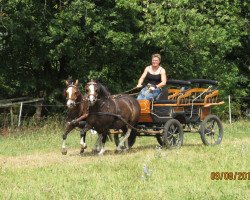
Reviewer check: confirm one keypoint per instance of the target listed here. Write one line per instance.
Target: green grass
(32, 167)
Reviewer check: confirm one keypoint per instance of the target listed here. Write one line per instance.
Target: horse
(77, 112)
(111, 112)
(78, 106)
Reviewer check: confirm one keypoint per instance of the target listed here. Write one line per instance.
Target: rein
(127, 92)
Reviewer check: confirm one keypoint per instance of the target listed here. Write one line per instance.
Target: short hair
(157, 55)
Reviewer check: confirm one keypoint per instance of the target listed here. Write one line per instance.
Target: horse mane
(103, 90)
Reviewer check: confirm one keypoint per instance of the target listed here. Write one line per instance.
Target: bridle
(72, 95)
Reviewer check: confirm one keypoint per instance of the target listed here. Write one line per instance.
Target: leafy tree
(43, 42)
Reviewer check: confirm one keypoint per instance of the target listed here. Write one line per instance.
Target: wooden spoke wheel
(211, 130)
(173, 134)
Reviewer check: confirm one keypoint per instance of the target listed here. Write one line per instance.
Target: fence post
(20, 114)
(11, 117)
(229, 105)
(38, 113)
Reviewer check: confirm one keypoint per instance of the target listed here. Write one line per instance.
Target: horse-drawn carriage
(181, 107)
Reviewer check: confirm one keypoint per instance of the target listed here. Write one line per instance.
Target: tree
(43, 42)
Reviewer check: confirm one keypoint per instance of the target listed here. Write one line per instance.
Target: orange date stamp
(230, 176)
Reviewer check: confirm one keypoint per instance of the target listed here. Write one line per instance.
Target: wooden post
(20, 114)
(11, 117)
(38, 113)
(229, 105)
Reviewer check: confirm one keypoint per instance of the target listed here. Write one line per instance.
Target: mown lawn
(32, 167)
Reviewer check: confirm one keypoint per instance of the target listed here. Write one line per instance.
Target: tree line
(45, 41)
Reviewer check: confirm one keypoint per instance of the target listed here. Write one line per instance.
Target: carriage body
(180, 109)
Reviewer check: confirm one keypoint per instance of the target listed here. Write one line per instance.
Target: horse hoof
(64, 151)
(101, 153)
(81, 154)
(125, 150)
(94, 151)
(117, 151)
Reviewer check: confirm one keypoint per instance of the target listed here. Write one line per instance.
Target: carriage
(185, 106)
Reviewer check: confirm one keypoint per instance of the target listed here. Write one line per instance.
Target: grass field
(32, 167)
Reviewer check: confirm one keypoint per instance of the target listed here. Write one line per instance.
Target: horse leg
(82, 141)
(97, 143)
(103, 141)
(64, 137)
(83, 138)
(109, 137)
(125, 139)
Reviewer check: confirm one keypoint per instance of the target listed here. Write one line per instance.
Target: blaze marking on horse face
(70, 92)
(91, 93)
(92, 89)
(70, 102)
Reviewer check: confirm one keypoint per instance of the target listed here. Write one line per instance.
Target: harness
(117, 109)
(132, 127)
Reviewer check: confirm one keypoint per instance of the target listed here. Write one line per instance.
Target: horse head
(95, 91)
(72, 93)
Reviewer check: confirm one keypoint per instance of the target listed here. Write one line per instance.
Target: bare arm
(142, 77)
(163, 79)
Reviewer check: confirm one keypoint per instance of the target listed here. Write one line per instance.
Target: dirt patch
(40, 160)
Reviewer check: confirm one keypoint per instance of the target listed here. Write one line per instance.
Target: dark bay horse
(77, 111)
(110, 112)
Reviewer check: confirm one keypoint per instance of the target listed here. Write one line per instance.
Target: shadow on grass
(133, 150)
(192, 145)
(114, 152)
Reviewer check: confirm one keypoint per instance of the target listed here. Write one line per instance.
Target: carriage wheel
(211, 130)
(131, 138)
(173, 134)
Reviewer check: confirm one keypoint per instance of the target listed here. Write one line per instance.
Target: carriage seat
(169, 96)
(165, 101)
(198, 101)
(163, 95)
(206, 96)
(163, 98)
(189, 96)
